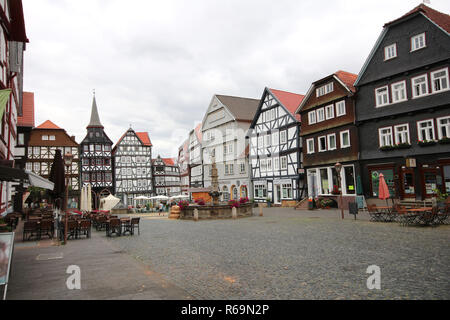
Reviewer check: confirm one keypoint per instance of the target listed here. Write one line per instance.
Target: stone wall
(216, 212)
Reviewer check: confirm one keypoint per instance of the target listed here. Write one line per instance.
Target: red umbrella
(383, 190)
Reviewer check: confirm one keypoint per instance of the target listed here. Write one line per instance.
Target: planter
(427, 143)
(387, 148)
(444, 140)
(396, 147)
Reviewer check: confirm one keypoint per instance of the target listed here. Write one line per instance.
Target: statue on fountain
(214, 193)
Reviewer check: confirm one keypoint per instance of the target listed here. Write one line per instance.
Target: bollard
(234, 213)
(195, 214)
(260, 209)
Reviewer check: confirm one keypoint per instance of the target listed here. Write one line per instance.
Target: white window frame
(338, 112)
(387, 51)
(320, 111)
(51, 138)
(341, 134)
(393, 90)
(396, 128)
(263, 165)
(432, 80)
(413, 41)
(439, 126)
(268, 140)
(276, 163)
(329, 112)
(377, 103)
(419, 132)
(414, 95)
(269, 164)
(319, 145)
(283, 160)
(275, 138)
(312, 118)
(328, 141)
(310, 150)
(44, 137)
(286, 187)
(381, 135)
(283, 136)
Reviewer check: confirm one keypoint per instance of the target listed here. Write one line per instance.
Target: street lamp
(338, 168)
(68, 163)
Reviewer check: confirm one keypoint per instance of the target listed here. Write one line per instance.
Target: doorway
(407, 184)
(277, 195)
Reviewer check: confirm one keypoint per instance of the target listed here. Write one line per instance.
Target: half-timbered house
(275, 149)
(329, 136)
(45, 139)
(13, 41)
(166, 177)
(133, 166)
(96, 158)
(224, 128)
(403, 107)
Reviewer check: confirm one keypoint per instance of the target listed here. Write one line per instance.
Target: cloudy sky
(155, 65)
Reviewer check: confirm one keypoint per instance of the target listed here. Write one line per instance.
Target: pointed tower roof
(95, 119)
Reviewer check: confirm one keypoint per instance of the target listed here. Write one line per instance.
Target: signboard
(410, 163)
(6, 250)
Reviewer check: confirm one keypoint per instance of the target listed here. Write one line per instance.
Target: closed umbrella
(383, 190)
(57, 177)
(89, 198)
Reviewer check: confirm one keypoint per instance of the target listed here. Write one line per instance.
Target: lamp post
(338, 168)
(68, 163)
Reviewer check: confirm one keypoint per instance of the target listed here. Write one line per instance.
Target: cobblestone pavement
(288, 254)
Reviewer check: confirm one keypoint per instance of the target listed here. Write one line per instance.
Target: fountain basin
(220, 211)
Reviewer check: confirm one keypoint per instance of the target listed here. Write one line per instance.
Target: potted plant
(234, 204)
(335, 190)
(441, 197)
(404, 145)
(424, 143)
(387, 148)
(268, 200)
(444, 140)
(183, 204)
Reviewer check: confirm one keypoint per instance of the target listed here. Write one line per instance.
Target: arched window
(244, 193)
(234, 193)
(225, 193)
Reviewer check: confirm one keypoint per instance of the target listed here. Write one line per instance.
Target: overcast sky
(155, 65)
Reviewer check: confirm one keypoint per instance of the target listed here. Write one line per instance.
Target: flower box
(424, 143)
(444, 140)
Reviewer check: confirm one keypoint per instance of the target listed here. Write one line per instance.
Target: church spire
(95, 119)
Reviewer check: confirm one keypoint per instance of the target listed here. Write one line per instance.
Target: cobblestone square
(288, 254)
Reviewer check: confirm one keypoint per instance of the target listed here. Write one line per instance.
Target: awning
(12, 174)
(38, 181)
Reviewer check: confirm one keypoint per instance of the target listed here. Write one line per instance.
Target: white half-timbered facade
(166, 177)
(96, 157)
(275, 148)
(133, 166)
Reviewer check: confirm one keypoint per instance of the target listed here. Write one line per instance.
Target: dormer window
(390, 52)
(418, 42)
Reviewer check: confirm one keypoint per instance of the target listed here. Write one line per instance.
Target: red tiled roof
(347, 78)
(27, 118)
(441, 19)
(48, 125)
(290, 100)
(144, 138)
(168, 161)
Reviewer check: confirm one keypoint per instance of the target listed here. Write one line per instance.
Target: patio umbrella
(383, 190)
(89, 198)
(57, 177)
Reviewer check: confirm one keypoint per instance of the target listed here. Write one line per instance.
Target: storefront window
(388, 177)
(335, 178)
(260, 191)
(349, 178)
(430, 183)
(408, 183)
(287, 191)
(325, 187)
(447, 178)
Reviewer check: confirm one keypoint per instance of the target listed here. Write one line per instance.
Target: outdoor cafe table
(419, 213)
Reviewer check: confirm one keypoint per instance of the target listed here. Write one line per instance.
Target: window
(36, 167)
(98, 147)
(399, 91)
(107, 148)
(443, 127)
(21, 139)
(85, 162)
(86, 148)
(382, 96)
(283, 138)
(320, 115)
(425, 130)
(385, 136)
(275, 139)
(439, 80)
(419, 86)
(283, 163)
(324, 183)
(322, 142)
(390, 52)
(242, 167)
(340, 108)
(345, 139)
(29, 166)
(349, 180)
(312, 117)
(108, 177)
(324, 89)
(260, 142)
(418, 42)
(286, 191)
(51, 138)
(276, 164)
(263, 165)
(401, 133)
(44, 137)
(329, 112)
(310, 145)
(269, 164)
(331, 141)
(260, 191)
(268, 140)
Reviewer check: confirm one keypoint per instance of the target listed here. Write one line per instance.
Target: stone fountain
(214, 193)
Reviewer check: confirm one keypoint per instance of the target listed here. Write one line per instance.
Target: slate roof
(27, 118)
(242, 109)
(95, 119)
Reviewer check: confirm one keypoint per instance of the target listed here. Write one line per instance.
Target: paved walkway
(39, 272)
